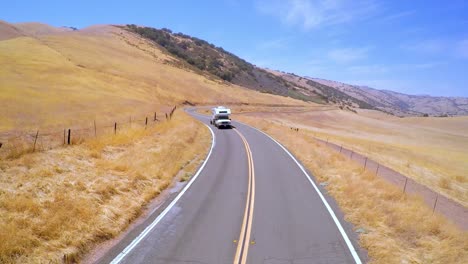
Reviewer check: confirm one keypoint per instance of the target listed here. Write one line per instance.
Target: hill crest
(402, 104)
(217, 64)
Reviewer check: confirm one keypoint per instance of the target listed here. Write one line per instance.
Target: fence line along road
(12, 145)
(439, 203)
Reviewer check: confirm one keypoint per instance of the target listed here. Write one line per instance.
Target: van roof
(221, 110)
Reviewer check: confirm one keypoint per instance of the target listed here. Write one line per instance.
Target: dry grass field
(99, 73)
(433, 151)
(63, 201)
(393, 228)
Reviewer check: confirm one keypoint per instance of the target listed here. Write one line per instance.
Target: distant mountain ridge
(9, 31)
(402, 104)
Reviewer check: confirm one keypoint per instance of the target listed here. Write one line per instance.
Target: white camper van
(221, 117)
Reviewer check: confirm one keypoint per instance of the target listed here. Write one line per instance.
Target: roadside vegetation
(392, 227)
(430, 150)
(55, 205)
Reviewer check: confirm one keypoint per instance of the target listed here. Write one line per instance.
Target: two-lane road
(250, 203)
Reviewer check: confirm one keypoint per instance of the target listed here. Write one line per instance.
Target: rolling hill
(205, 58)
(55, 77)
(329, 93)
(402, 104)
(51, 78)
(212, 61)
(8, 31)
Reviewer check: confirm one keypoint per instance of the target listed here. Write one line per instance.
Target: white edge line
(168, 208)
(330, 210)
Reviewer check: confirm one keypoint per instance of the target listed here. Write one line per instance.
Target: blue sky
(415, 47)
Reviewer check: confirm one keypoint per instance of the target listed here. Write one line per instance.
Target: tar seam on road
(330, 210)
(148, 229)
(246, 228)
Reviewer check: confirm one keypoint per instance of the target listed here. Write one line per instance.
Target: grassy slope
(60, 202)
(61, 80)
(433, 151)
(208, 59)
(389, 222)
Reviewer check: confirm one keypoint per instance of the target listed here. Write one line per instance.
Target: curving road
(250, 202)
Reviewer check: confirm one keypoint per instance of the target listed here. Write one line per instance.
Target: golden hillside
(53, 79)
(58, 78)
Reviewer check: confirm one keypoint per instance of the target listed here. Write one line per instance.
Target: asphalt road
(250, 203)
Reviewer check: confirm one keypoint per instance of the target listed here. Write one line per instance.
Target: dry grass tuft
(54, 205)
(397, 228)
(17, 148)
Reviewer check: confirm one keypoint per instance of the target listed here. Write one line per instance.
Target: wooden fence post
(365, 164)
(154, 116)
(377, 170)
(406, 181)
(115, 128)
(435, 203)
(1, 144)
(166, 116)
(35, 140)
(146, 122)
(69, 136)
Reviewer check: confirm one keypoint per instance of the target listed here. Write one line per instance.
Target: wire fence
(15, 144)
(438, 202)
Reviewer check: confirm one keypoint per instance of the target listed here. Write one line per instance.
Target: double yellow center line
(246, 228)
